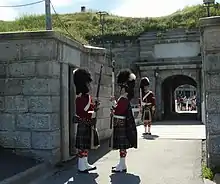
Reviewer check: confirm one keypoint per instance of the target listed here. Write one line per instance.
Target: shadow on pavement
(150, 137)
(95, 155)
(120, 178)
(71, 176)
(12, 164)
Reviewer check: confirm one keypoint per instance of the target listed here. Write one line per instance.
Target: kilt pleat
(146, 114)
(83, 136)
(120, 139)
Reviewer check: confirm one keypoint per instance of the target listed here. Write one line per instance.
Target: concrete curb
(29, 175)
(217, 178)
(207, 181)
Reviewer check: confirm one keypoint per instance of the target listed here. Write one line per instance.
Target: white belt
(119, 117)
(146, 103)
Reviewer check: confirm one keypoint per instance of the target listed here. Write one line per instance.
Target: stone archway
(168, 87)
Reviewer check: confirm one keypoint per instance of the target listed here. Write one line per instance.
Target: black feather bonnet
(144, 82)
(82, 78)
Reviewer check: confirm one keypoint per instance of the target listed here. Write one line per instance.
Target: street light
(208, 4)
(102, 15)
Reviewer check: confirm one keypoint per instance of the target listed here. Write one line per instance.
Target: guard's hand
(111, 112)
(97, 104)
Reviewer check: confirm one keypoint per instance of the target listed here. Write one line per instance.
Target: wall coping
(43, 34)
(210, 21)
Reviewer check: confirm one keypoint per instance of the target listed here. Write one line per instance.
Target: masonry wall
(93, 61)
(30, 96)
(36, 92)
(210, 33)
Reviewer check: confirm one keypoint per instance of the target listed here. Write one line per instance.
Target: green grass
(207, 173)
(85, 26)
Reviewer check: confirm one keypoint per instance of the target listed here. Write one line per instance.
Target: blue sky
(133, 8)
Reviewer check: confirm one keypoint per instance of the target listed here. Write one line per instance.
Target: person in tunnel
(147, 104)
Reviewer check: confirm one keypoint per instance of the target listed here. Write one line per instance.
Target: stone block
(13, 86)
(7, 139)
(214, 160)
(21, 69)
(2, 103)
(44, 104)
(211, 62)
(16, 104)
(71, 55)
(2, 88)
(42, 49)
(105, 91)
(37, 122)
(41, 87)
(48, 68)
(105, 102)
(7, 122)
(46, 140)
(22, 139)
(213, 102)
(11, 50)
(2, 70)
(103, 123)
(211, 39)
(214, 144)
(213, 81)
(212, 123)
(105, 80)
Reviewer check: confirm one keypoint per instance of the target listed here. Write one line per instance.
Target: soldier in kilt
(85, 109)
(124, 127)
(147, 103)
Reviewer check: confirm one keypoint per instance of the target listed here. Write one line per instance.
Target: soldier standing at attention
(147, 104)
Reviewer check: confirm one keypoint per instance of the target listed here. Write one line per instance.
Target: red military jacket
(120, 107)
(84, 106)
(148, 98)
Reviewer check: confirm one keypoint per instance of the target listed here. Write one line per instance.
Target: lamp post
(208, 4)
(102, 15)
(156, 73)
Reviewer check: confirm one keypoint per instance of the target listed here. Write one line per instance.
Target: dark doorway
(72, 149)
(179, 91)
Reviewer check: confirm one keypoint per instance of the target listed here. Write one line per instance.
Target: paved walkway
(161, 160)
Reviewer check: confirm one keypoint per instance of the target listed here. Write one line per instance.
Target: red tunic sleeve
(151, 99)
(121, 107)
(84, 104)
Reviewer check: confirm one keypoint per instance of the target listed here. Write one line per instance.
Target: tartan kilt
(120, 139)
(146, 114)
(83, 135)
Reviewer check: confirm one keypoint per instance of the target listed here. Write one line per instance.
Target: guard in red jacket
(124, 127)
(85, 110)
(147, 104)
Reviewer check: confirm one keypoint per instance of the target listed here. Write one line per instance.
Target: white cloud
(151, 8)
(8, 13)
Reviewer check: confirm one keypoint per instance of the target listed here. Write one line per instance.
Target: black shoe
(85, 171)
(145, 133)
(149, 133)
(91, 169)
(116, 171)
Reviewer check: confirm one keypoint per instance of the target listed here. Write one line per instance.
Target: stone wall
(93, 61)
(36, 93)
(210, 33)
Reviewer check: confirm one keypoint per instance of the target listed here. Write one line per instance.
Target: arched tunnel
(168, 88)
